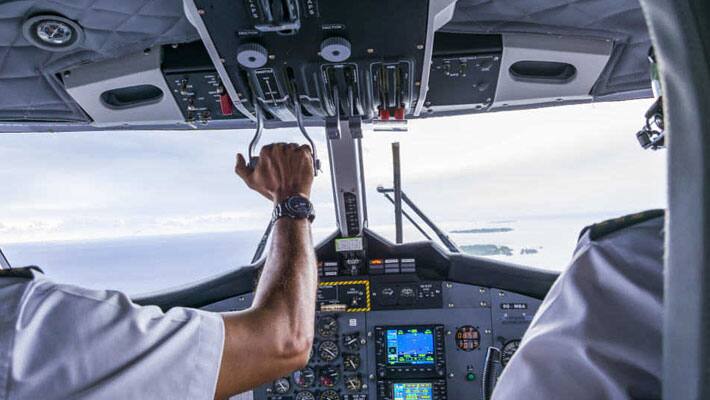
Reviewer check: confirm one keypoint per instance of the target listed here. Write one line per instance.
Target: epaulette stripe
(23, 273)
(598, 231)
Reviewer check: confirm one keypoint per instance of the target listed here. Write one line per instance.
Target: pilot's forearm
(287, 288)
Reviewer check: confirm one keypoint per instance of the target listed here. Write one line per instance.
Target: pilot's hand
(283, 170)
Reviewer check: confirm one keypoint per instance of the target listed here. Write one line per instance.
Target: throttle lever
(253, 160)
(259, 130)
(491, 370)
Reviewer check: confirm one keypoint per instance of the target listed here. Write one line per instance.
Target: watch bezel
(296, 207)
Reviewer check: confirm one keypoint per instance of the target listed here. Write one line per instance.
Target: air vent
(131, 96)
(543, 72)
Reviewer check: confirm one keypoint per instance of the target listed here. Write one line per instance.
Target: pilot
(597, 334)
(64, 342)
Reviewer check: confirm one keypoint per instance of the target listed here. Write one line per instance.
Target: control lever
(491, 370)
(253, 160)
(259, 130)
(302, 128)
(279, 16)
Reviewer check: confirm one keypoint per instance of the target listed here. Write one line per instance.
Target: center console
(388, 328)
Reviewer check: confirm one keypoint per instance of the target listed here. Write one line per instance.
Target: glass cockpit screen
(412, 391)
(411, 346)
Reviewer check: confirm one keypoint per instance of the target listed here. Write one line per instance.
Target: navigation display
(412, 391)
(411, 346)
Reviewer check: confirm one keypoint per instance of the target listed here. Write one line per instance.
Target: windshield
(145, 211)
(519, 186)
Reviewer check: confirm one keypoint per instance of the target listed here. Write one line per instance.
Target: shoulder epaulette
(598, 231)
(24, 273)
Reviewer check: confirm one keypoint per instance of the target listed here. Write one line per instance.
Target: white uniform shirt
(62, 342)
(597, 334)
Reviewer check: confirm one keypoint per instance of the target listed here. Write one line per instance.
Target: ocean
(139, 265)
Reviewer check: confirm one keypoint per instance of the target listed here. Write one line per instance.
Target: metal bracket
(4, 264)
(345, 154)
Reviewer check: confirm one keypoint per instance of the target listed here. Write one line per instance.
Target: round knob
(335, 49)
(252, 55)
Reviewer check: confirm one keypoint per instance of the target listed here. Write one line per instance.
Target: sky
(568, 160)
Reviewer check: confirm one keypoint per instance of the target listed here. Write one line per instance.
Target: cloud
(60, 186)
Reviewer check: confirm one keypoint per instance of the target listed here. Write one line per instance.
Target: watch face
(300, 206)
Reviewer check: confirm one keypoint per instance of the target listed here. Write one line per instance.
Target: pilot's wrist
(280, 197)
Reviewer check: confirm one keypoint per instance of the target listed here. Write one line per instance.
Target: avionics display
(410, 351)
(412, 346)
(425, 389)
(412, 391)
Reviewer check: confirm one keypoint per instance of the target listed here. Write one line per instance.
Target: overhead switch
(252, 55)
(335, 49)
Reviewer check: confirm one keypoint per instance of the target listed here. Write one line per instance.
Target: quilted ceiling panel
(30, 90)
(619, 20)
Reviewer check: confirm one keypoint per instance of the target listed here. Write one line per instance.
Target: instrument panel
(388, 334)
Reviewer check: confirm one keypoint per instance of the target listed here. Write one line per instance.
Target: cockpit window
(519, 186)
(145, 211)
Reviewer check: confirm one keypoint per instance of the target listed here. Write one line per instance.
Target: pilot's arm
(274, 337)
(63, 342)
(597, 334)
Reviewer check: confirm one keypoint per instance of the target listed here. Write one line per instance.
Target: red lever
(225, 104)
(399, 113)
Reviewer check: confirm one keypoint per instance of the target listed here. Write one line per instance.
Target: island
(487, 250)
(483, 230)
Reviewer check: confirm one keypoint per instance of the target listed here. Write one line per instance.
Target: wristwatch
(296, 207)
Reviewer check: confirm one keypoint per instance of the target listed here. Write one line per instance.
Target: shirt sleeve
(597, 334)
(72, 343)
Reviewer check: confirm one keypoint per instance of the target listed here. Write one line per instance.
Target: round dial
(282, 385)
(329, 376)
(304, 377)
(468, 338)
(305, 396)
(329, 395)
(352, 341)
(353, 383)
(328, 351)
(351, 362)
(508, 350)
(327, 327)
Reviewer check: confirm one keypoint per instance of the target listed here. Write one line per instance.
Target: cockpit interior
(395, 320)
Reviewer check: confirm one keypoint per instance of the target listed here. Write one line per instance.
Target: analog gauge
(351, 362)
(282, 386)
(353, 383)
(329, 395)
(329, 376)
(328, 351)
(352, 341)
(304, 378)
(468, 338)
(327, 327)
(508, 350)
(305, 396)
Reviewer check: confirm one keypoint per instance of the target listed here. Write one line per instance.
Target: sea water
(152, 263)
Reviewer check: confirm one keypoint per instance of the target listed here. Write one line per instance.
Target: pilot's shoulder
(602, 229)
